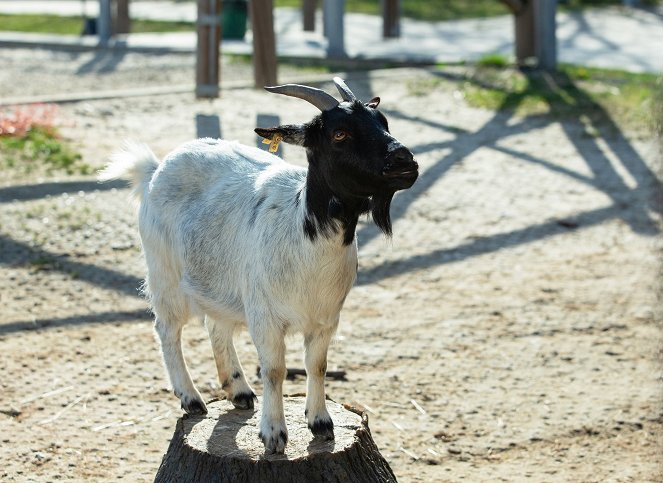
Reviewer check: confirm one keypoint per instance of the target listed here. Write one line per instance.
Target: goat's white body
(222, 227)
(202, 235)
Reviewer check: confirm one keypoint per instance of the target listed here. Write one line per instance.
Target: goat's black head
(349, 146)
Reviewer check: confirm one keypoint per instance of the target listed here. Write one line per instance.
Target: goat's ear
(289, 133)
(373, 103)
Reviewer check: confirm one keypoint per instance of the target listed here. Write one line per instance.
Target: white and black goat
(238, 236)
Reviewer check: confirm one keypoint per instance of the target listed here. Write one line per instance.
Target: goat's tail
(136, 163)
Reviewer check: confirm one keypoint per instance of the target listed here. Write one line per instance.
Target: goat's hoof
(194, 407)
(322, 428)
(244, 400)
(274, 442)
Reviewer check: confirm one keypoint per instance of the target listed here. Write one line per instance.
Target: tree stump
(223, 445)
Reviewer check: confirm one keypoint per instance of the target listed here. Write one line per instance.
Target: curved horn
(317, 97)
(345, 91)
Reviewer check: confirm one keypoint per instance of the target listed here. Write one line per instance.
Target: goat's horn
(345, 91)
(317, 97)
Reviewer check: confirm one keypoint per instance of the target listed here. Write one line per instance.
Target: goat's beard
(380, 211)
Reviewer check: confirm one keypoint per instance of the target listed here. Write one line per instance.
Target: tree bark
(223, 446)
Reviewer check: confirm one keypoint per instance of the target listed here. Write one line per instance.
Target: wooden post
(122, 24)
(524, 23)
(535, 34)
(264, 43)
(223, 446)
(333, 11)
(391, 18)
(308, 14)
(208, 27)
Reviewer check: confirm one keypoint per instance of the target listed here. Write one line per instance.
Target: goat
(236, 235)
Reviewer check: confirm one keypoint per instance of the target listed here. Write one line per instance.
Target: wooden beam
(308, 14)
(524, 31)
(122, 21)
(264, 43)
(208, 28)
(391, 18)
(536, 40)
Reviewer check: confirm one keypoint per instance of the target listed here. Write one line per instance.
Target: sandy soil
(510, 330)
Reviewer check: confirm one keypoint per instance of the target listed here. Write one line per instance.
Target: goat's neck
(326, 209)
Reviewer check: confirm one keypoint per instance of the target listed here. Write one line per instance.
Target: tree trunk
(223, 446)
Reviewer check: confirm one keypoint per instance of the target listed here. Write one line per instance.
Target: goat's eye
(340, 135)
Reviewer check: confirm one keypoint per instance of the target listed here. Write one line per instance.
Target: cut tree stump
(223, 445)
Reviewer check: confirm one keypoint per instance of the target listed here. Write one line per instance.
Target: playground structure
(534, 32)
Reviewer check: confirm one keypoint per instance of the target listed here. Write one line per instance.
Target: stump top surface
(228, 432)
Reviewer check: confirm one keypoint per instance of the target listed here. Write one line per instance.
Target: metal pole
(104, 22)
(333, 20)
(545, 26)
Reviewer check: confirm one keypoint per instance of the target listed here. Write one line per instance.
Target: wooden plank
(264, 43)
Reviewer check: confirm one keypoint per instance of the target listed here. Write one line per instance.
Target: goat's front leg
(316, 344)
(231, 375)
(269, 340)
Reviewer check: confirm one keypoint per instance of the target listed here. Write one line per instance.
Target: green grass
(40, 149)
(433, 10)
(422, 9)
(53, 24)
(438, 10)
(597, 94)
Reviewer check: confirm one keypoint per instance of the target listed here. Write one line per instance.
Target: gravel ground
(511, 329)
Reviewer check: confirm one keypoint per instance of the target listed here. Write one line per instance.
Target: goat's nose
(400, 155)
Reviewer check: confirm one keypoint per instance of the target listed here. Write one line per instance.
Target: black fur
(322, 428)
(353, 175)
(273, 442)
(244, 400)
(194, 407)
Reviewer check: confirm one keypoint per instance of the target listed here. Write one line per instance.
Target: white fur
(211, 254)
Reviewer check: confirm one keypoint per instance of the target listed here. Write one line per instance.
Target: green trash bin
(233, 19)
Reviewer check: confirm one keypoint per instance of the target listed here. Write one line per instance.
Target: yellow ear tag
(273, 143)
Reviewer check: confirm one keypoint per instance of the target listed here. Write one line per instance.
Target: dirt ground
(510, 330)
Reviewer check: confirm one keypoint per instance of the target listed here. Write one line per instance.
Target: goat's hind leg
(231, 375)
(169, 329)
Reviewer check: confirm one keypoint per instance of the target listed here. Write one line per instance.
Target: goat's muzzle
(401, 170)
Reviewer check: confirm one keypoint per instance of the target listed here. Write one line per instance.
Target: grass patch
(597, 94)
(29, 141)
(53, 24)
(600, 98)
(40, 148)
(432, 10)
